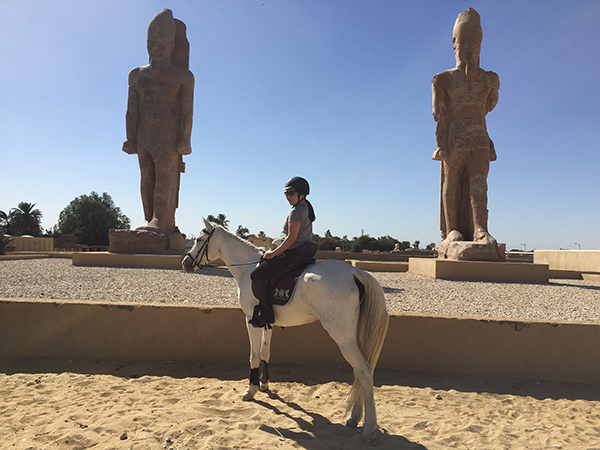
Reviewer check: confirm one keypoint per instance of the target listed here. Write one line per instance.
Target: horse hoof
(250, 393)
(352, 423)
(369, 437)
(264, 387)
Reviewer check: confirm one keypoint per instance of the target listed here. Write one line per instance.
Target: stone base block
(480, 270)
(146, 241)
(591, 277)
(472, 251)
(379, 266)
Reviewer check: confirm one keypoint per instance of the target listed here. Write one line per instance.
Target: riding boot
(263, 312)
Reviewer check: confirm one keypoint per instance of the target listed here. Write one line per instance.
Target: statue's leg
(478, 167)
(451, 193)
(165, 192)
(147, 184)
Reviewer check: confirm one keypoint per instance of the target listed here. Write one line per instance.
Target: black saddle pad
(284, 286)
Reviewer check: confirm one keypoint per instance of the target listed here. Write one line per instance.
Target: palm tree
(26, 220)
(221, 219)
(4, 222)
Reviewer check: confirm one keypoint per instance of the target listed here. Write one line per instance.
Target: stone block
(480, 270)
(379, 266)
(146, 241)
(472, 251)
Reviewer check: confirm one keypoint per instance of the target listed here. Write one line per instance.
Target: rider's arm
(290, 239)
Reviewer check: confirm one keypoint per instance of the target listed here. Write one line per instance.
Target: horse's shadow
(321, 433)
(391, 290)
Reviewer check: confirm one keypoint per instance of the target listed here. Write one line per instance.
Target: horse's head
(199, 255)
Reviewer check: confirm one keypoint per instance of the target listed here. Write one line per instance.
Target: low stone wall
(32, 244)
(58, 329)
(391, 256)
(572, 260)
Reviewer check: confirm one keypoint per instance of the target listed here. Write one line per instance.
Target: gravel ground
(558, 301)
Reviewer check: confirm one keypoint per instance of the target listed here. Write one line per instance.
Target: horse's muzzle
(187, 264)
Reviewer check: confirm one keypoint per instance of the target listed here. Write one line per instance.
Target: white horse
(349, 302)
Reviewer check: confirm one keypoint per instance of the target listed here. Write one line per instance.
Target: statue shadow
(320, 433)
(580, 286)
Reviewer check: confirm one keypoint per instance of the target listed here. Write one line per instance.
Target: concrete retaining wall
(32, 244)
(574, 260)
(56, 329)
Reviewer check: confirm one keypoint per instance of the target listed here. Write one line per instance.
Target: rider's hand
(269, 254)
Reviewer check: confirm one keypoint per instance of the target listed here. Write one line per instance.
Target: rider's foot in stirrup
(260, 320)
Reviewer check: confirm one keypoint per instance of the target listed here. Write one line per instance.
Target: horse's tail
(372, 326)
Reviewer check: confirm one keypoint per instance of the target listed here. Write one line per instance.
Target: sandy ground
(48, 404)
(72, 405)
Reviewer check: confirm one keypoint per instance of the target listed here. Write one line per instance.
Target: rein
(203, 252)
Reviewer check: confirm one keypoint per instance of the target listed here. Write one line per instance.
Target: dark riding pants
(270, 269)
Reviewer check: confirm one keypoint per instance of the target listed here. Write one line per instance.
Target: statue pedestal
(471, 251)
(506, 272)
(146, 241)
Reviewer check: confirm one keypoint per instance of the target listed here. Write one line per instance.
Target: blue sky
(336, 91)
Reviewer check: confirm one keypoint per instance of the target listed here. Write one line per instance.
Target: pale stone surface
(159, 126)
(490, 271)
(472, 251)
(461, 99)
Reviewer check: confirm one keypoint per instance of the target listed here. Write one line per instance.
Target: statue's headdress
(468, 25)
(162, 26)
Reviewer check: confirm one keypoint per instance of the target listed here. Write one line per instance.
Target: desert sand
(72, 405)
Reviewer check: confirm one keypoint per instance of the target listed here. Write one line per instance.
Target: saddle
(282, 288)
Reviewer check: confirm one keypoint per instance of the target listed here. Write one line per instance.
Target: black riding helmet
(298, 183)
(302, 187)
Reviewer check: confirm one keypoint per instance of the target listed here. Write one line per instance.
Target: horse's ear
(207, 225)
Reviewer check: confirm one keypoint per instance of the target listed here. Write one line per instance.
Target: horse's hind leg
(364, 374)
(356, 412)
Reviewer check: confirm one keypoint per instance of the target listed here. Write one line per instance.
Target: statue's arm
(439, 88)
(492, 99)
(132, 115)
(187, 108)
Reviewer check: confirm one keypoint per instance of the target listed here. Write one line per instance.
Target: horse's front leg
(265, 356)
(255, 335)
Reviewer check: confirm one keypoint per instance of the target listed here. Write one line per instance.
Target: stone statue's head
(161, 35)
(466, 38)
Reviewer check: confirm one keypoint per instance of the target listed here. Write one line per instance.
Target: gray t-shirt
(299, 213)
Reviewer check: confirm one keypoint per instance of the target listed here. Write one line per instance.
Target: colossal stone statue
(159, 126)
(461, 99)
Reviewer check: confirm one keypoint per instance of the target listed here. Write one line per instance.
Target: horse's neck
(234, 251)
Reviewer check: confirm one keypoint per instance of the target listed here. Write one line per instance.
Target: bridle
(203, 253)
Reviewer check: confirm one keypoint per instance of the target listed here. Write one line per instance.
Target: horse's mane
(243, 241)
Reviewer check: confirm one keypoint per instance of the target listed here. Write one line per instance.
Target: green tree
(90, 217)
(4, 241)
(25, 220)
(242, 232)
(365, 242)
(221, 219)
(416, 245)
(404, 245)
